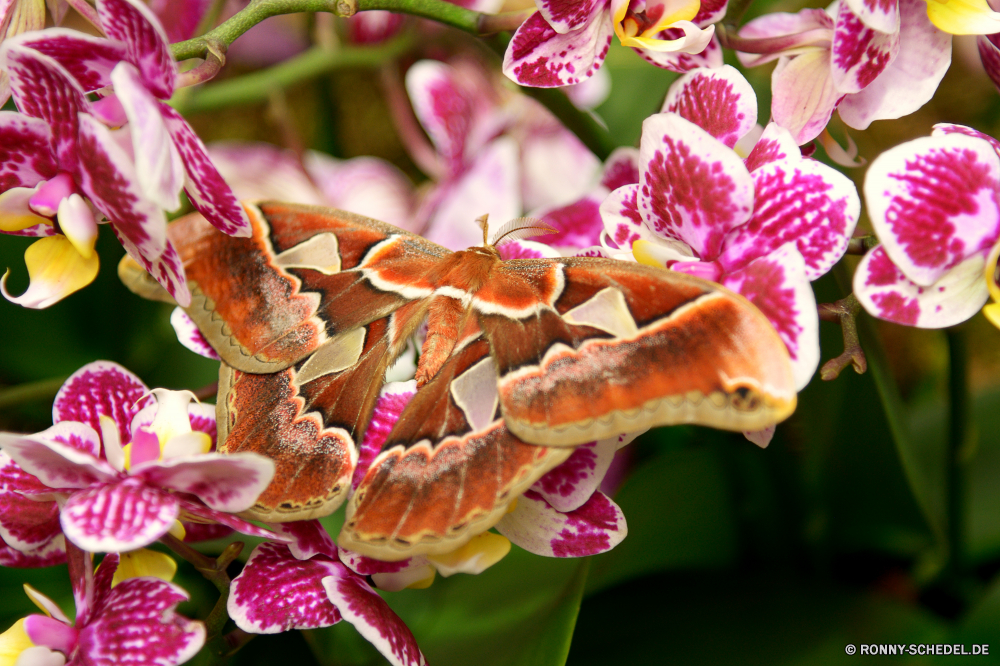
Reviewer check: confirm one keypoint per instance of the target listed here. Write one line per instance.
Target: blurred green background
(852, 528)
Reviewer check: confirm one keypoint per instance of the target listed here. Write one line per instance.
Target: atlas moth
(523, 360)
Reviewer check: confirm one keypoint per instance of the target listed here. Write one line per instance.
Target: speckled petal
(540, 57)
(119, 516)
(777, 285)
(25, 524)
(886, 293)
(229, 483)
(621, 168)
(622, 220)
(276, 592)
(360, 605)
(801, 201)
(139, 624)
(443, 107)
(135, 25)
(860, 54)
(390, 404)
(87, 58)
(193, 510)
(101, 388)
(26, 154)
(934, 202)
(60, 457)
(568, 486)
(694, 188)
(720, 101)
(566, 16)
(882, 15)
(595, 527)
(774, 145)
(578, 224)
(943, 129)
(366, 566)
(307, 538)
(204, 185)
(912, 78)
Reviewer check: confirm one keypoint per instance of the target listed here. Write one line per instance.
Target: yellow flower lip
(56, 269)
(640, 30)
(963, 17)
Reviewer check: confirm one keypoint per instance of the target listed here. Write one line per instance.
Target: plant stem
(845, 312)
(958, 418)
(45, 389)
(476, 23)
(258, 86)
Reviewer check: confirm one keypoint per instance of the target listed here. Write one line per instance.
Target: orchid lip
(45, 201)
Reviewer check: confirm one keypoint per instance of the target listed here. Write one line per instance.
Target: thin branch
(258, 87)
(844, 311)
(45, 389)
(476, 23)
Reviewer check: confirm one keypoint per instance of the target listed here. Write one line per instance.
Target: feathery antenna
(520, 228)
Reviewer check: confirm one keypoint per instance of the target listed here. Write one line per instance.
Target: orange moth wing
(523, 359)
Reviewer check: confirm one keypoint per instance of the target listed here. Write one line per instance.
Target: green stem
(45, 389)
(258, 86)
(958, 419)
(476, 23)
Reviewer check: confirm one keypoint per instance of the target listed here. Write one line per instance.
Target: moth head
(140, 282)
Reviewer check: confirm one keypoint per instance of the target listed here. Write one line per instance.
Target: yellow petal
(678, 10)
(423, 583)
(482, 552)
(56, 270)
(177, 530)
(13, 642)
(992, 312)
(143, 562)
(15, 213)
(645, 253)
(963, 17)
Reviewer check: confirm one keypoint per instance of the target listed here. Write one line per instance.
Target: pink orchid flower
(304, 585)
(493, 152)
(129, 621)
(564, 43)
(839, 59)
(935, 205)
(121, 468)
(764, 227)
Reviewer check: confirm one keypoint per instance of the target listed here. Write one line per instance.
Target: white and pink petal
(87, 58)
(803, 202)
(774, 145)
(720, 101)
(881, 15)
(566, 16)
(230, 483)
(307, 538)
(118, 516)
(595, 527)
(860, 54)
(189, 335)
(444, 108)
(390, 404)
(196, 512)
(934, 202)
(360, 605)
(885, 292)
(277, 592)
(777, 285)
(136, 26)
(60, 457)
(26, 152)
(139, 623)
(100, 388)
(540, 57)
(694, 188)
(568, 486)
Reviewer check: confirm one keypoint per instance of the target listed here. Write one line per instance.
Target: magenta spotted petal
(677, 61)
(540, 57)
(87, 58)
(595, 527)
(204, 184)
(109, 179)
(134, 25)
(26, 155)
(860, 54)
(48, 557)
(565, 16)
(942, 129)
(804, 202)
(277, 592)
(912, 78)
(934, 202)
(720, 101)
(693, 188)
(777, 285)
(60, 457)
(138, 624)
(42, 88)
(882, 15)
(621, 168)
(443, 107)
(26, 525)
(578, 224)
(167, 269)
(568, 486)
(117, 516)
(307, 538)
(885, 292)
(367, 566)
(195, 511)
(774, 145)
(622, 220)
(230, 483)
(360, 605)
(101, 388)
(390, 404)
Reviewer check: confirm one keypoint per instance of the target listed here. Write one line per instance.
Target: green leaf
(520, 612)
